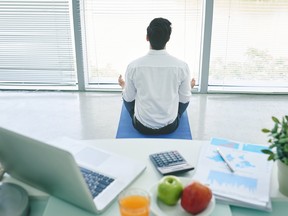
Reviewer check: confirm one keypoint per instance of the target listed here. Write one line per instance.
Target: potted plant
(278, 150)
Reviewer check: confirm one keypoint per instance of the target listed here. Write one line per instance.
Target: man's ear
(147, 38)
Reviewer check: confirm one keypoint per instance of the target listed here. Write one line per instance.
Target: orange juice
(134, 205)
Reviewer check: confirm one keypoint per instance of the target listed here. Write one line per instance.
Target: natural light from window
(249, 44)
(116, 34)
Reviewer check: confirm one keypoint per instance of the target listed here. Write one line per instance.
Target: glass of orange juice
(134, 202)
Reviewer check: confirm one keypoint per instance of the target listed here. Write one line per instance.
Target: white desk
(140, 150)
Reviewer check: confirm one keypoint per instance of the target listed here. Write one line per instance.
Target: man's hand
(121, 82)
(193, 82)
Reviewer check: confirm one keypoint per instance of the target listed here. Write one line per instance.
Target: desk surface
(140, 149)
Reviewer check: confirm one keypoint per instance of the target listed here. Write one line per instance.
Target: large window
(116, 33)
(86, 44)
(249, 44)
(36, 44)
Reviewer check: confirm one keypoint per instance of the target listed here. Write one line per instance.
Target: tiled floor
(92, 115)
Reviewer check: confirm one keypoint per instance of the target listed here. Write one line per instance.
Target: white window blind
(36, 45)
(116, 33)
(249, 44)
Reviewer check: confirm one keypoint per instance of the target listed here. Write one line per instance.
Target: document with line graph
(246, 182)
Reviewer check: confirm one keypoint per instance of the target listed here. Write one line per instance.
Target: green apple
(169, 190)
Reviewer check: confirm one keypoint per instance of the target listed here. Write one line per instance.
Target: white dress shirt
(157, 82)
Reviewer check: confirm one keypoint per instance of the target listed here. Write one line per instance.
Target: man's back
(157, 81)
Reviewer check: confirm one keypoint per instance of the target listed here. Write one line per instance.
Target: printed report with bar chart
(247, 184)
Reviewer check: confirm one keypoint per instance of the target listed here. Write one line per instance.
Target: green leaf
(286, 148)
(285, 161)
(267, 151)
(280, 152)
(275, 135)
(271, 157)
(284, 126)
(265, 130)
(276, 120)
(275, 128)
(283, 140)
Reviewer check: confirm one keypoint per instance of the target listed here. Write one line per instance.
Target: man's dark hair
(158, 32)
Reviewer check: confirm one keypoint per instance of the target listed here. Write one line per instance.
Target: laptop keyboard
(96, 182)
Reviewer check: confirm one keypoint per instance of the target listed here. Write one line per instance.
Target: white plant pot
(283, 177)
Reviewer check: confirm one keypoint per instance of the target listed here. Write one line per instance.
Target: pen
(225, 161)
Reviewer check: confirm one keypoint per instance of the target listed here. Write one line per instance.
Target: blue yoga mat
(126, 129)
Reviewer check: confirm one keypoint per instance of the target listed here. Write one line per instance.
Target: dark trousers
(146, 130)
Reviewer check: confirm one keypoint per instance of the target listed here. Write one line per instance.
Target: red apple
(195, 197)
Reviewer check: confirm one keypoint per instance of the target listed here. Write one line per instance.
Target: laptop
(55, 170)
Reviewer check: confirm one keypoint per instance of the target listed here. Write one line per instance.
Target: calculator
(170, 162)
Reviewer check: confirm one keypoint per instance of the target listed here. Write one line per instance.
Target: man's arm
(128, 89)
(185, 86)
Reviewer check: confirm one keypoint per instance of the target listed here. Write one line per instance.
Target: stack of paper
(247, 184)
